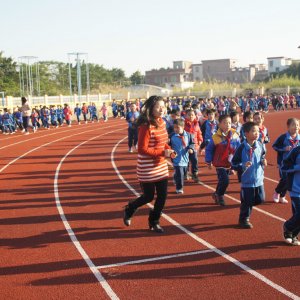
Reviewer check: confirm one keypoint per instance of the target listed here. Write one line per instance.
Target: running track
(62, 235)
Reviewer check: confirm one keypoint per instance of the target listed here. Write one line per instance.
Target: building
(261, 72)
(197, 72)
(218, 69)
(176, 76)
(278, 64)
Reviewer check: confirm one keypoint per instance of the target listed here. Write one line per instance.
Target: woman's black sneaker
(245, 224)
(128, 213)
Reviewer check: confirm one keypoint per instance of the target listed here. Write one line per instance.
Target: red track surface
(39, 259)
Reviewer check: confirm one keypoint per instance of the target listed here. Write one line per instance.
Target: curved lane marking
(205, 243)
(112, 295)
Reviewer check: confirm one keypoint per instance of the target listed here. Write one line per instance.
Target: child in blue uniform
(283, 145)
(250, 158)
(131, 119)
(53, 116)
(209, 127)
(182, 143)
(77, 112)
(291, 165)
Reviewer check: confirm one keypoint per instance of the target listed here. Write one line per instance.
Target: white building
(278, 64)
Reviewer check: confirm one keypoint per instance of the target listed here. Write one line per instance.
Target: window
(277, 69)
(271, 63)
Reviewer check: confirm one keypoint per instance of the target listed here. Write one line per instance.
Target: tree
(9, 80)
(137, 78)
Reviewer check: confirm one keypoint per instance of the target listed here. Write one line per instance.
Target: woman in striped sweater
(152, 168)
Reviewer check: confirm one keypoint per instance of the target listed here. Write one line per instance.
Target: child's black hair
(247, 114)
(233, 114)
(179, 122)
(291, 121)
(248, 126)
(223, 117)
(174, 111)
(210, 111)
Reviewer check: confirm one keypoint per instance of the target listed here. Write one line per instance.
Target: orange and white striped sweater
(152, 142)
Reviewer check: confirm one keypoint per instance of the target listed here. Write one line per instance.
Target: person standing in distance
(26, 113)
(152, 168)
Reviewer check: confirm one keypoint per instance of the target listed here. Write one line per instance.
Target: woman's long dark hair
(24, 100)
(146, 117)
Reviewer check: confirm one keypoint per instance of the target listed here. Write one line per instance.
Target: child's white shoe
(276, 197)
(283, 200)
(179, 191)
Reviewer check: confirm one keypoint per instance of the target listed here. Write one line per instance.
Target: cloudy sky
(141, 35)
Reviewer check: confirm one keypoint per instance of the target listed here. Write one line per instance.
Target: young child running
(258, 119)
(182, 143)
(235, 121)
(192, 126)
(219, 152)
(77, 112)
(247, 117)
(67, 114)
(291, 165)
(34, 119)
(131, 118)
(250, 158)
(104, 110)
(85, 111)
(209, 127)
(283, 145)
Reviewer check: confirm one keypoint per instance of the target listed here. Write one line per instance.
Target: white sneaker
(130, 150)
(179, 191)
(23, 130)
(276, 197)
(295, 241)
(283, 200)
(26, 133)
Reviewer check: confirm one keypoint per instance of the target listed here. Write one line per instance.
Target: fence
(12, 102)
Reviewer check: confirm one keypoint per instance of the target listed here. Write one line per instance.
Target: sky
(142, 35)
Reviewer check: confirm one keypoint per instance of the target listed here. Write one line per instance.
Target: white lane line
(141, 261)
(205, 243)
(270, 179)
(47, 144)
(72, 235)
(238, 201)
(39, 137)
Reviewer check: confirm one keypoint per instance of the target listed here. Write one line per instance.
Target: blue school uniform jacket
(291, 165)
(130, 115)
(252, 176)
(208, 129)
(181, 145)
(282, 142)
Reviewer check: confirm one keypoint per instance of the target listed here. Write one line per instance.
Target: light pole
(78, 61)
(28, 72)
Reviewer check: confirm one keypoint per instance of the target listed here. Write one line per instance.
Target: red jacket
(67, 113)
(193, 128)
